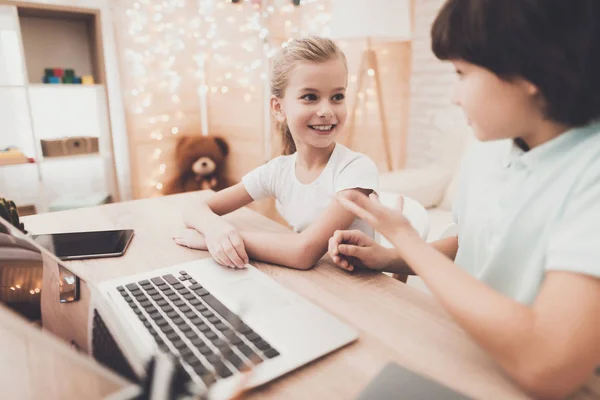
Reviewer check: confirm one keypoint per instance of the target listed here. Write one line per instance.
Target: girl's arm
(550, 348)
(300, 250)
(223, 202)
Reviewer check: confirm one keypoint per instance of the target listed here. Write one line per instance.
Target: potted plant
(8, 211)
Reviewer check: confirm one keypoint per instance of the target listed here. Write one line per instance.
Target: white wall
(437, 128)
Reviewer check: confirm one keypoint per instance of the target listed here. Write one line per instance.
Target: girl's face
(314, 105)
(495, 108)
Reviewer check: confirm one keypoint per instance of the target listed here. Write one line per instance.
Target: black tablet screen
(86, 244)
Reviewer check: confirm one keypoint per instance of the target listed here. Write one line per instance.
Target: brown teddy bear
(199, 161)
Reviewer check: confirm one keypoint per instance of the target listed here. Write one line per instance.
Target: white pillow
(450, 193)
(427, 186)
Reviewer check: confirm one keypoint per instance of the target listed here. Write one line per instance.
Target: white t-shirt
(302, 204)
(521, 214)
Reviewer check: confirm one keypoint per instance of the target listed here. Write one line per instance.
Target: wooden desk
(395, 322)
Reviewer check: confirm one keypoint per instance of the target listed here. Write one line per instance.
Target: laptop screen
(21, 261)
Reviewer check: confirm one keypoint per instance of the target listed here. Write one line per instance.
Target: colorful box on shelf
(69, 202)
(70, 146)
(51, 79)
(87, 80)
(58, 75)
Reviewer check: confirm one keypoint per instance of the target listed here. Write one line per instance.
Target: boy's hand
(388, 222)
(355, 249)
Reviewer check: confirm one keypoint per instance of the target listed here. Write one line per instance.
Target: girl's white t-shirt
(302, 204)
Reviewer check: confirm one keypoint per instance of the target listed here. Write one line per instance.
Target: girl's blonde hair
(310, 49)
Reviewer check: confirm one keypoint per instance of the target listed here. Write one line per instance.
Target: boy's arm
(549, 348)
(300, 250)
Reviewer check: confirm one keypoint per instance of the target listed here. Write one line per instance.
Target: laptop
(218, 323)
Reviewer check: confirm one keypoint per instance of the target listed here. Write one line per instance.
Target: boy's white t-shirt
(522, 215)
(302, 204)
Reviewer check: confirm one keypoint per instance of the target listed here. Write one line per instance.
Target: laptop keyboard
(211, 341)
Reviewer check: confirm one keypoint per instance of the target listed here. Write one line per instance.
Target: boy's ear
(277, 109)
(530, 88)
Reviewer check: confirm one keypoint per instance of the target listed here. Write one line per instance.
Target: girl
(308, 101)
(522, 277)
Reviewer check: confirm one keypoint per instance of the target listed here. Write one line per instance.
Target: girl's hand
(226, 246)
(192, 239)
(389, 223)
(355, 249)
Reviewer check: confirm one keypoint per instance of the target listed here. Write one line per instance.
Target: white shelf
(17, 164)
(33, 111)
(65, 86)
(73, 157)
(54, 85)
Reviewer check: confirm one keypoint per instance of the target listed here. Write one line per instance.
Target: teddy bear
(199, 161)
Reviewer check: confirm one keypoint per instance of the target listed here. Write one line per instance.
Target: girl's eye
(310, 97)
(339, 97)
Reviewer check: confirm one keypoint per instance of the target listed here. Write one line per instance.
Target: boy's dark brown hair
(554, 44)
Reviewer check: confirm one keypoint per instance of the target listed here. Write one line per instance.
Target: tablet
(82, 245)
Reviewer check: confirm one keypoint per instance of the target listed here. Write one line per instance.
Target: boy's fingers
(374, 207)
(359, 211)
(332, 246)
(357, 252)
(347, 265)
